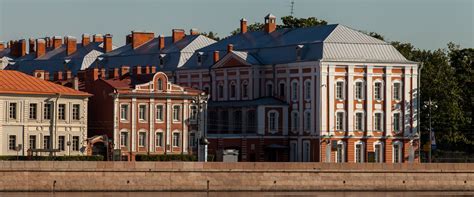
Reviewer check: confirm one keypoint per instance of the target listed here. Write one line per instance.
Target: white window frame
(13, 113)
(34, 143)
(276, 122)
(145, 113)
(343, 121)
(178, 140)
(127, 115)
(140, 135)
(307, 118)
(397, 123)
(74, 114)
(307, 89)
(122, 144)
(193, 113)
(76, 146)
(362, 152)
(398, 156)
(381, 121)
(63, 112)
(294, 90)
(362, 122)
(160, 144)
(295, 121)
(47, 111)
(362, 90)
(381, 93)
(62, 143)
(179, 113)
(378, 158)
(12, 146)
(245, 89)
(157, 118)
(342, 155)
(398, 96)
(343, 90)
(35, 111)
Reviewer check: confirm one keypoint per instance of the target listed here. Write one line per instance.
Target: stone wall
(183, 176)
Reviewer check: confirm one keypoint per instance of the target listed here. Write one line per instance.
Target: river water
(230, 194)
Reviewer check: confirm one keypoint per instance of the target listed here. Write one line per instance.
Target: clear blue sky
(428, 24)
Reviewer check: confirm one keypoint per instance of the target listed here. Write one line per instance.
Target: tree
(288, 22)
(211, 35)
(251, 27)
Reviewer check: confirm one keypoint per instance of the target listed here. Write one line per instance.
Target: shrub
(52, 158)
(166, 158)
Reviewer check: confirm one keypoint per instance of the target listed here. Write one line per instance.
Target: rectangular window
(61, 143)
(142, 112)
(75, 143)
(359, 91)
(282, 90)
(192, 140)
(12, 142)
(269, 90)
(193, 113)
(294, 91)
(47, 111)
(176, 113)
(12, 110)
(396, 122)
(76, 108)
(378, 121)
(396, 91)
(340, 90)
(159, 112)
(176, 139)
(232, 91)
(123, 139)
(359, 153)
(33, 111)
(46, 142)
(359, 122)
(272, 121)
(123, 112)
(396, 153)
(340, 153)
(307, 90)
(245, 90)
(293, 151)
(221, 91)
(307, 121)
(306, 151)
(33, 141)
(340, 121)
(62, 111)
(159, 139)
(295, 121)
(378, 91)
(378, 153)
(141, 139)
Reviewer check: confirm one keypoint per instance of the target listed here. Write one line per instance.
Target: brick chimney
(128, 39)
(46, 76)
(48, 42)
(103, 73)
(40, 47)
(139, 38)
(75, 83)
(137, 70)
(230, 48)
(161, 42)
(107, 43)
(152, 69)
(178, 34)
(2, 46)
(124, 70)
(147, 69)
(115, 74)
(216, 56)
(98, 38)
(31, 44)
(86, 39)
(68, 74)
(92, 74)
(18, 48)
(58, 76)
(193, 31)
(243, 25)
(57, 42)
(71, 45)
(270, 23)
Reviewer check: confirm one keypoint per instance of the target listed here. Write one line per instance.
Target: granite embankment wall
(179, 176)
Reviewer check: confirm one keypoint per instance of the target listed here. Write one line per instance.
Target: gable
(230, 60)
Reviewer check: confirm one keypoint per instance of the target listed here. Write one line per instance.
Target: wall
(183, 176)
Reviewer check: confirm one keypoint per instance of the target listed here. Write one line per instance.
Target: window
(294, 121)
(46, 142)
(221, 91)
(159, 112)
(123, 139)
(306, 151)
(123, 112)
(61, 143)
(359, 90)
(397, 91)
(396, 122)
(307, 90)
(32, 142)
(340, 90)
(75, 143)
(160, 84)
(293, 151)
(340, 153)
(232, 90)
(378, 91)
(12, 142)
(238, 120)
(162, 60)
(282, 90)
(76, 112)
(141, 139)
(272, 121)
(307, 120)
(397, 152)
(340, 121)
(359, 122)
(269, 89)
(245, 89)
(62, 111)
(251, 121)
(193, 112)
(176, 112)
(47, 111)
(142, 112)
(176, 139)
(192, 140)
(159, 139)
(294, 91)
(378, 153)
(33, 111)
(359, 153)
(12, 110)
(378, 121)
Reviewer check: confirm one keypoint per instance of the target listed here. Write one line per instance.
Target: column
(388, 100)
(350, 99)
(369, 99)
(331, 98)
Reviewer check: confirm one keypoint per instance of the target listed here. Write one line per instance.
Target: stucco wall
(172, 176)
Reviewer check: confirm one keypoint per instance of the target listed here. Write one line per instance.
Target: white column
(151, 131)
(238, 86)
(134, 124)
(388, 101)
(300, 102)
(369, 97)
(414, 98)
(350, 99)
(169, 116)
(185, 126)
(314, 116)
(116, 127)
(322, 88)
(226, 86)
(331, 98)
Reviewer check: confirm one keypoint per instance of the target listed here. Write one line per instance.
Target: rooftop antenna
(292, 7)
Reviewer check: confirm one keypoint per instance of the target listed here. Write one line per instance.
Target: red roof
(14, 82)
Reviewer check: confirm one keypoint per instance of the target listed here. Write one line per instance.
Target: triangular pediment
(231, 60)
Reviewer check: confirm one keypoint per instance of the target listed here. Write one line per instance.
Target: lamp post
(201, 101)
(429, 105)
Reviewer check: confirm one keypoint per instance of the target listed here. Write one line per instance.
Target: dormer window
(299, 48)
(162, 60)
(199, 58)
(160, 84)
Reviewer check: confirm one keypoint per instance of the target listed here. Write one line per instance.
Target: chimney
(92, 74)
(71, 45)
(115, 74)
(22, 48)
(137, 70)
(40, 47)
(98, 38)
(147, 69)
(68, 74)
(230, 48)
(193, 31)
(152, 69)
(46, 76)
(140, 38)
(86, 39)
(243, 25)
(178, 34)
(31, 45)
(270, 23)
(58, 76)
(57, 42)
(82, 75)
(124, 70)
(216, 56)
(2, 46)
(75, 83)
(128, 39)
(107, 43)
(18, 48)
(161, 41)
(48, 42)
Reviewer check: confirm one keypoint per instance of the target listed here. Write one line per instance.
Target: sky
(427, 24)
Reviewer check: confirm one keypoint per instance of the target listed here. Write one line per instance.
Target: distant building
(37, 114)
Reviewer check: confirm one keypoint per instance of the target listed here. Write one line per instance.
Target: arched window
(273, 121)
(359, 152)
(340, 152)
(397, 91)
(359, 90)
(294, 91)
(232, 89)
(220, 90)
(378, 152)
(340, 89)
(307, 121)
(294, 121)
(340, 121)
(160, 84)
(378, 90)
(359, 121)
(269, 89)
(282, 89)
(397, 152)
(396, 122)
(159, 138)
(307, 90)
(245, 91)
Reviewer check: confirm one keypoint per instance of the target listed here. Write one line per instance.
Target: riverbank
(47, 176)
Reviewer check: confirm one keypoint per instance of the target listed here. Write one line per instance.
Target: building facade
(40, 116)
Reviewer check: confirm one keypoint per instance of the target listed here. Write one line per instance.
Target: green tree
(211, 35)
(288, 22)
